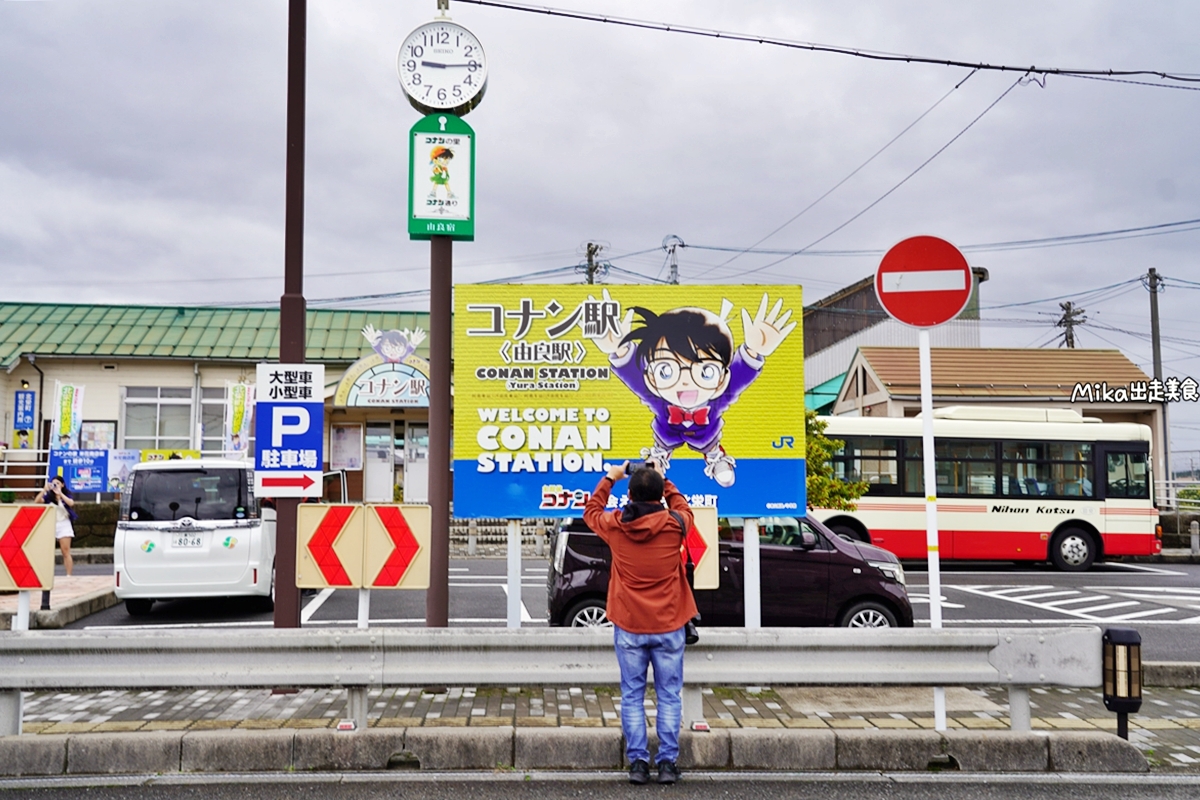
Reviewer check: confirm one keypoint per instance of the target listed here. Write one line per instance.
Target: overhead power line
(856, 52)
(902, 181)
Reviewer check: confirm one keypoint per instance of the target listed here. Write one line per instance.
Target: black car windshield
(202, 494)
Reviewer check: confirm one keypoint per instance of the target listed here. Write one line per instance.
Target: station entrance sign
(289, 430)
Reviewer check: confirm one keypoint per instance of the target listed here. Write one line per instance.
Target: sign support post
(931, 527)
(364, 608)
(752, 573)
(925, 282)
(21, 620)
(514, 573)
(441, 293)
(292, 308)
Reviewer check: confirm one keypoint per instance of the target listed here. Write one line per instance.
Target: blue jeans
(634, 652)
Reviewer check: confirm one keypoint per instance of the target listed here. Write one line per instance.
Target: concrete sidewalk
(72, 598)
(1168, 732)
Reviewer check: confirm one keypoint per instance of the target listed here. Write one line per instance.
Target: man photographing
(649, 603)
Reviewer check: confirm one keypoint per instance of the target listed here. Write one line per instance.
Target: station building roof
(186, 332)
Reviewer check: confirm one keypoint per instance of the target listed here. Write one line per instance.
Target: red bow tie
(678, 416)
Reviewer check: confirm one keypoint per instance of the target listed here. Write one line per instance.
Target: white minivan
(192, 528)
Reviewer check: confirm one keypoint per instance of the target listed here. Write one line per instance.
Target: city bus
(1013, 484)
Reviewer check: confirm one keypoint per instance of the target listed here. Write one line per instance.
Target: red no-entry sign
(923, 281)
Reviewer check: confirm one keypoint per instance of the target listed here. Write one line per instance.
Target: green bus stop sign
(441, 178)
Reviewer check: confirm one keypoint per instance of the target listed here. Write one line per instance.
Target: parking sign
(289, 430)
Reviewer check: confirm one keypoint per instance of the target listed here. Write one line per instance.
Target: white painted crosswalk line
(1048, 594)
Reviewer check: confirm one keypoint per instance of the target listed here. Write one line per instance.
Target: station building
(159, 379)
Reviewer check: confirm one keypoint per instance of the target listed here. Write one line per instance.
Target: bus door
(1125, 482)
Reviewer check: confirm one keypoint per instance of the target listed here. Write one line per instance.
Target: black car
(809, 576)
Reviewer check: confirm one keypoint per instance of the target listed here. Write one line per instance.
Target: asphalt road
(1160, 601)
(547, 786)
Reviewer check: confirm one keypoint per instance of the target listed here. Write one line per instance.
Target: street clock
(442, 68)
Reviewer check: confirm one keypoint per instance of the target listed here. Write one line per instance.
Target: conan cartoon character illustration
(683, 365)
(439, 159)
(393, 346)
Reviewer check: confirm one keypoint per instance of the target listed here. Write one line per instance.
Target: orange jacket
(647, 584)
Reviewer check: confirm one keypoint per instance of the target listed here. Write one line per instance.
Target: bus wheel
(1073, 550)
(849, 533)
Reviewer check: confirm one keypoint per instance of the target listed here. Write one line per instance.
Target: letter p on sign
(280, 427)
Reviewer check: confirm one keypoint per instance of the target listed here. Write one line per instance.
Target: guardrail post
(1194, 530)
(358, 707)
(693, 705)
(12, 705)
(472, 536)
(1019, 715)
(539, 539)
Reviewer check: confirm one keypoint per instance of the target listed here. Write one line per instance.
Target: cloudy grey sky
(142, 152)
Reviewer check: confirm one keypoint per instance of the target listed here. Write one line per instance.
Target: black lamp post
(1122, 675)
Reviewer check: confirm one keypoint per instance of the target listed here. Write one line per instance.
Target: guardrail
(359, 660)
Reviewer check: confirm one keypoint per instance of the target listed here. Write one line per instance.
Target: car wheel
(588, 614)
(849, 534)
(868, 615)
(1073, 550)
(138, 607)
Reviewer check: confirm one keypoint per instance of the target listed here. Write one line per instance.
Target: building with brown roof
(886, 382)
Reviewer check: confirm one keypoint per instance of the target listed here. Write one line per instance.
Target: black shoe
(690, 634)
(639, 772)
(668, 772)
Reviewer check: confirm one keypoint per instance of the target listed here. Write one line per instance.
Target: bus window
(1046, 469)
(1128, 476)
(962, 467)
(870, 460)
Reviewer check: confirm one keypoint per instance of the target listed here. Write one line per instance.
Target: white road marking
(1018, 589)
(315, 604)
(1144, 568)
(1047, 594)
(1072, 601)
(1107, 606)
(525, 616)
(1142, 614)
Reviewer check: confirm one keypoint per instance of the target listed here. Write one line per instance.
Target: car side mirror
(808, 540)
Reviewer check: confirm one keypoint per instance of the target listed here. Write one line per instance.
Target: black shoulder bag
(690, 634)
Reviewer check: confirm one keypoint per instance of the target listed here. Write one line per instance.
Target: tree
(825, 490)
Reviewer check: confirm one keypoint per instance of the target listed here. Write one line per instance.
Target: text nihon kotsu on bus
(1015, 484)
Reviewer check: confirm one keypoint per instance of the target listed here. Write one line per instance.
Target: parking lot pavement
(1168, 731)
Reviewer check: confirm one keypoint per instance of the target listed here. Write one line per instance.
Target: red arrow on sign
(406, 546)
(321, 545)
(303, 482)
(12, 543)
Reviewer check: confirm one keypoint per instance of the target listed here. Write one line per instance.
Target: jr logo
(785, 441)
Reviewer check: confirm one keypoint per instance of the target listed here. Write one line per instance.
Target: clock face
(442, 68)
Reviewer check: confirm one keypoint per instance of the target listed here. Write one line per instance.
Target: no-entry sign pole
(924, 282)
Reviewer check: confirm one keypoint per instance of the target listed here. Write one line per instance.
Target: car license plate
(187, 540)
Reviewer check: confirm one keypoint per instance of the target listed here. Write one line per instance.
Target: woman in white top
(57, 494)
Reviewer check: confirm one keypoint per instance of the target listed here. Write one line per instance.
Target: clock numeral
(428, 89)
(410, 65)
(467, 80)
(457, 92)
(472, 65)
(416, 51)
(416, 79)
(441, 95)
(442, 37)
(468, 52)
